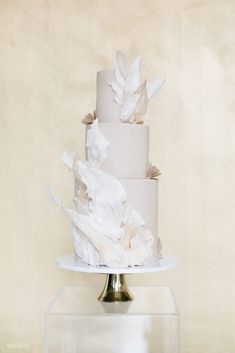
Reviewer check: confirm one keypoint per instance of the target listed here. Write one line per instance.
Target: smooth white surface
(68, 262)
(107, 110)
(143, 195)
(128, 150)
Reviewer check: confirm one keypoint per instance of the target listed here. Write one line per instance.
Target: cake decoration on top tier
(121, 95)
(130, 93)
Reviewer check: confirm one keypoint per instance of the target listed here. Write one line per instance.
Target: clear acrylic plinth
(76, 322)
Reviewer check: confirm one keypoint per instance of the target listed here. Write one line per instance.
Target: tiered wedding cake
(114, 212)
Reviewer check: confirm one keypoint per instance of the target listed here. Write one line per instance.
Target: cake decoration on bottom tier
(107, 230)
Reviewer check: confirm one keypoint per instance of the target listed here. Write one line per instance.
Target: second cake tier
(128, 149)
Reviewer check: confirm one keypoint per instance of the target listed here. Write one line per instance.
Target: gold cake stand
(115, 288)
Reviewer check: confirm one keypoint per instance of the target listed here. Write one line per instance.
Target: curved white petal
(133, 78)
(119, 92)
(96, 145)
(154, 85)
(122, 64)
(128, 108)
(69, 159)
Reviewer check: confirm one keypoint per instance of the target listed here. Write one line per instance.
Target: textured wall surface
(50, 52)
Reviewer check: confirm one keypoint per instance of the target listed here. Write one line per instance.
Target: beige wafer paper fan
(89, 118)
(152, 171)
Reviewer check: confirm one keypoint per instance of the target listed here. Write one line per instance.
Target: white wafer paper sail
(129, 92)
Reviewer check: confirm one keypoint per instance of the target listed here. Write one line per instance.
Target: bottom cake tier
(95, 247)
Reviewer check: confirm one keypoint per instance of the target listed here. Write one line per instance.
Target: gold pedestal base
(115, 289)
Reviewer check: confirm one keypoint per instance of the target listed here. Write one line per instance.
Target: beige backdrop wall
(50, 52)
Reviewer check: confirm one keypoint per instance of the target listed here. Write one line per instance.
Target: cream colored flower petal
(89, 118)
(152, 171)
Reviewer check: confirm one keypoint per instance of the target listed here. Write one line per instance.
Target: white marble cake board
(68, 262)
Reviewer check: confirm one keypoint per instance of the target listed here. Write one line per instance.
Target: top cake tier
(107, 110)
(129, 143)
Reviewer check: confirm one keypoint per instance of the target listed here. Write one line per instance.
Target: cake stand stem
(115, 289)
